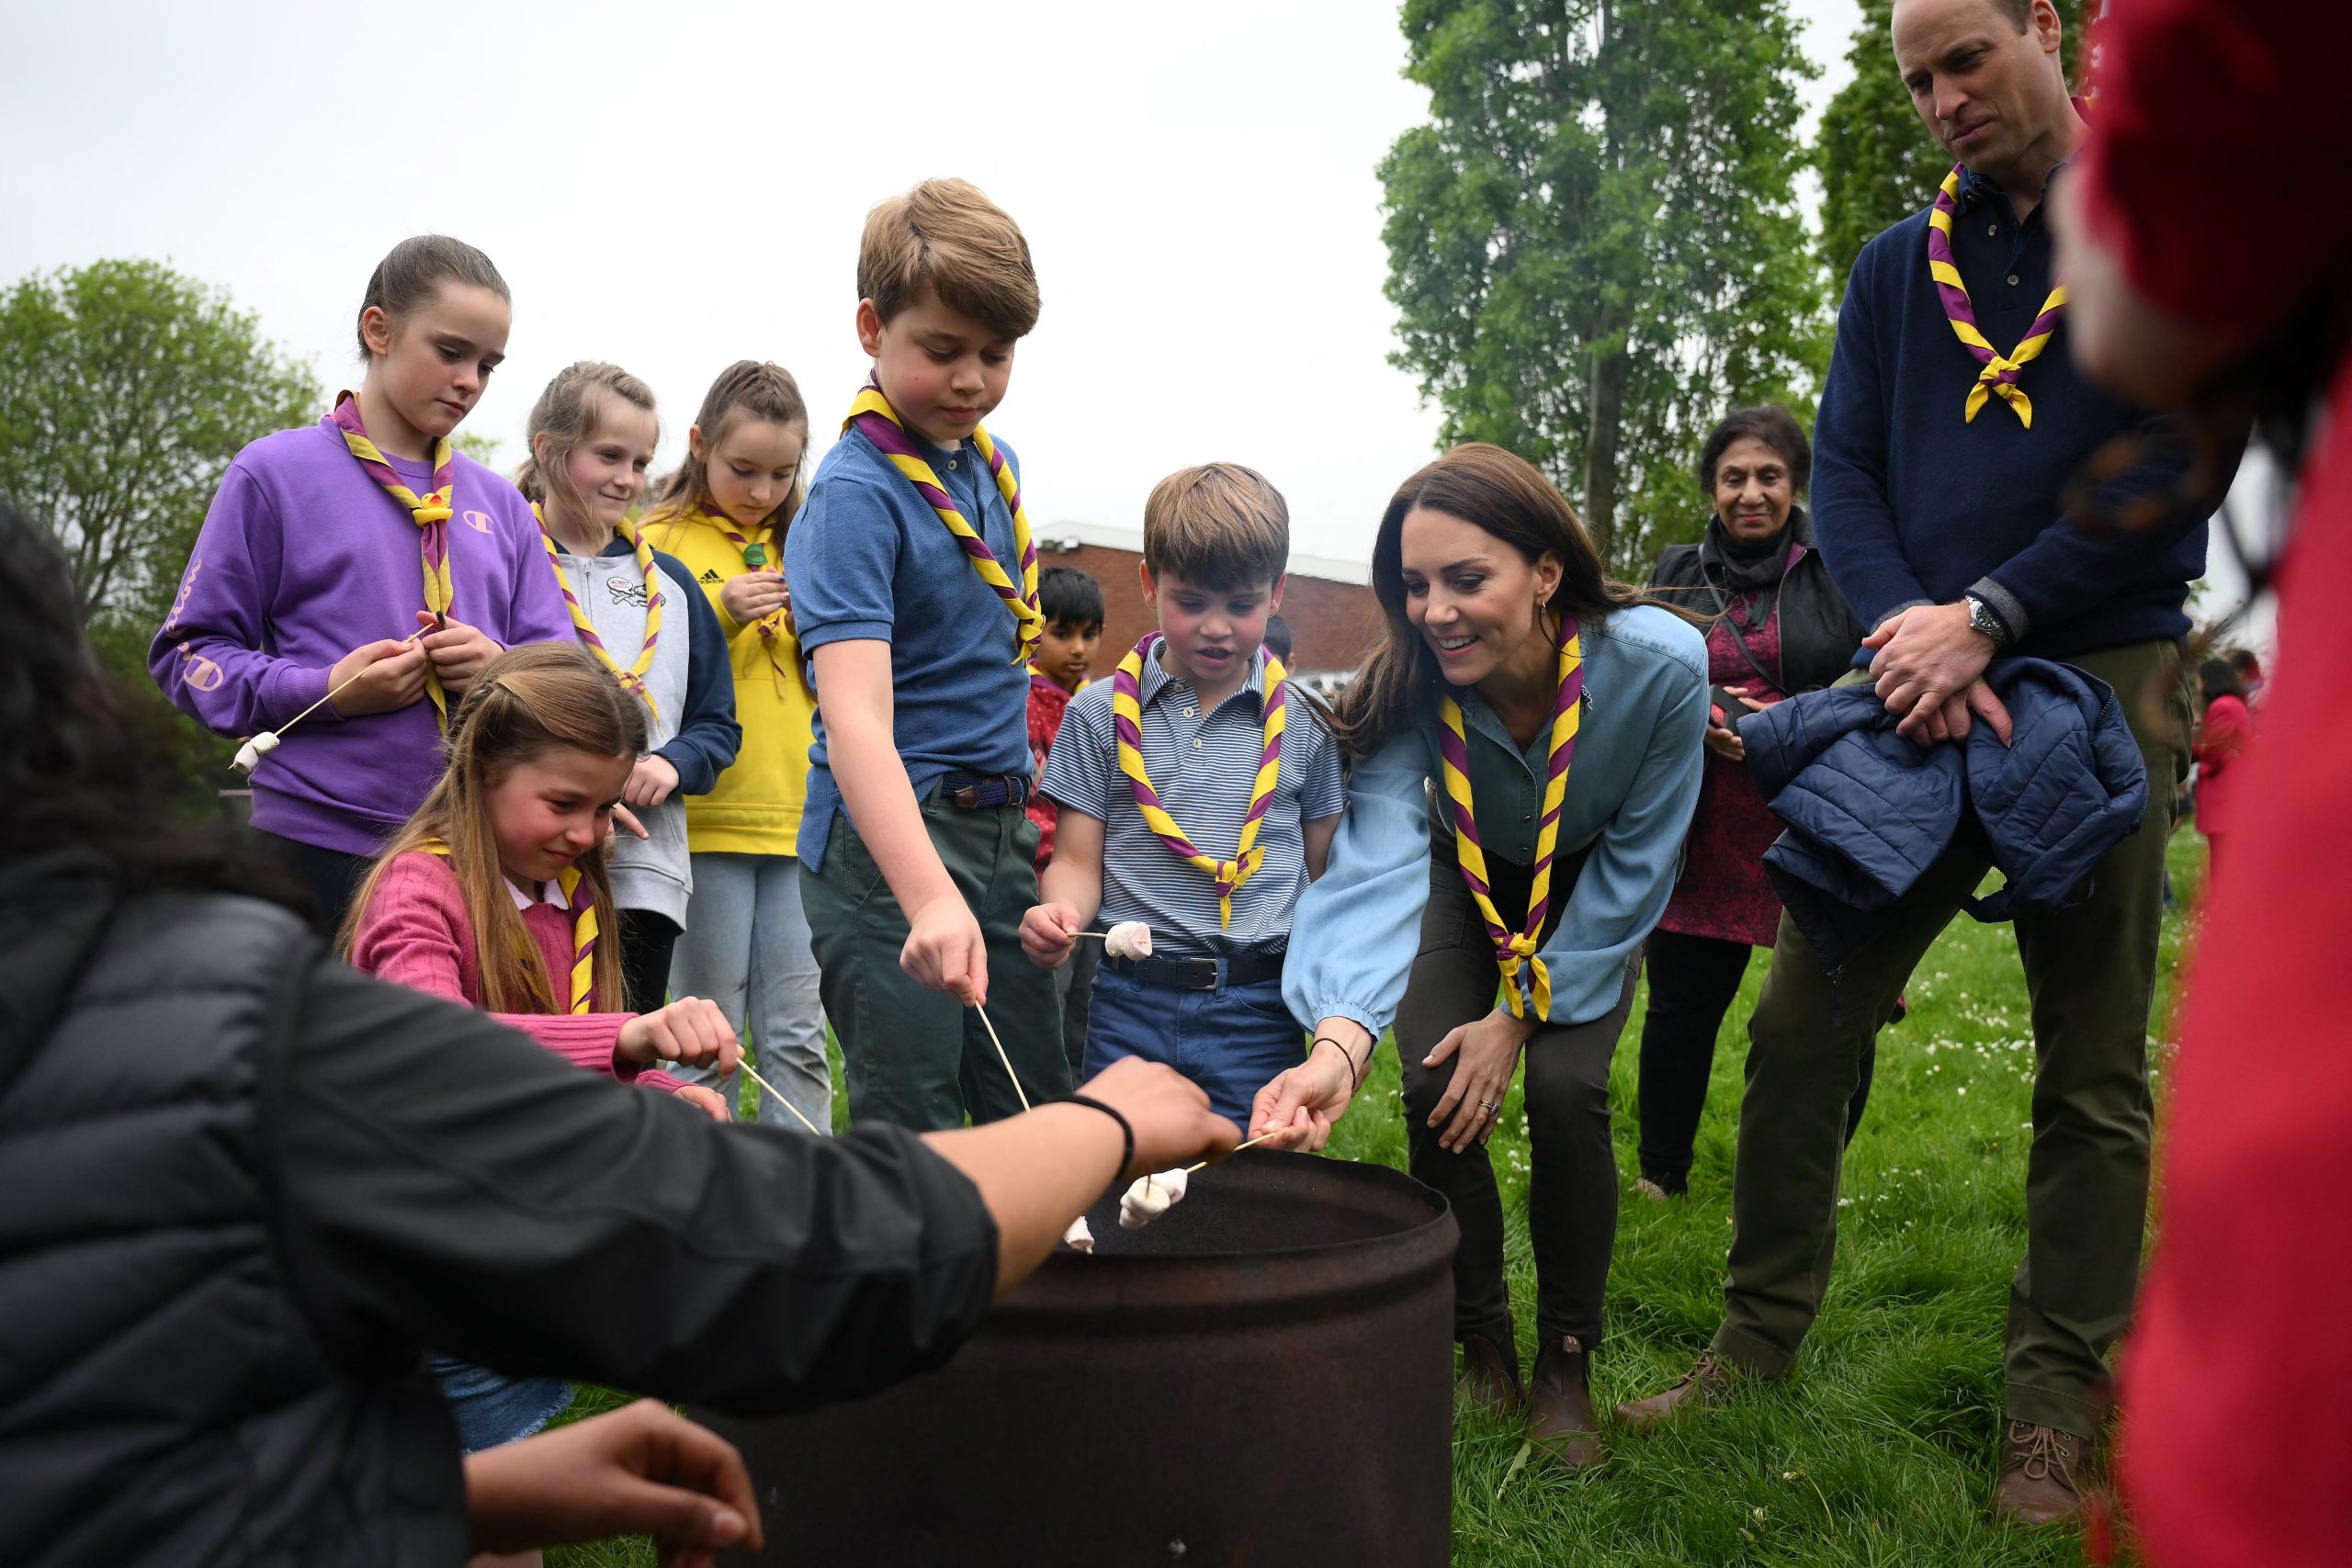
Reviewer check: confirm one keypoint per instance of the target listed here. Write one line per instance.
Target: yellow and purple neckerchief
(755, 558)
(1126, 721)
(880, 423)
(431, 512)
(632, 678)
(2000, 377)
(1515, 951)
(583, 931)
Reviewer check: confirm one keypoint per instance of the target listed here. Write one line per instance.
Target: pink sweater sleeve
(415, 932)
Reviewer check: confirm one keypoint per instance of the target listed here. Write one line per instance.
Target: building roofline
(1051, 538)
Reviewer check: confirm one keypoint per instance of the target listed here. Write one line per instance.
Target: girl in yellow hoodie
(723, 515)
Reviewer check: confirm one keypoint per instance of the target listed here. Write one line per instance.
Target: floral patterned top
(1723, 891)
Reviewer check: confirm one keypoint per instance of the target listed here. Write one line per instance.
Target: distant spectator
(2250, 677)
(1278, 638)
(2222, 730)
(1781, 627)
(1071, 602)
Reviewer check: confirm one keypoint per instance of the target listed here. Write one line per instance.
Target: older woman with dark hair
(1780, 628)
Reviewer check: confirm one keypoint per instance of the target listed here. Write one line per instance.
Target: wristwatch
(1982, 618)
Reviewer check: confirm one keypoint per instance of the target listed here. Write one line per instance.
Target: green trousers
(2090, 971)
(912, 1056)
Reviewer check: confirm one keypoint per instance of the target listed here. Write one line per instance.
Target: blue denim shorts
(493, 1409)
(1230, 1041)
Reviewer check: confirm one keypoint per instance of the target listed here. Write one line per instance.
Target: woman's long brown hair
(526, 703)
(1510, 498)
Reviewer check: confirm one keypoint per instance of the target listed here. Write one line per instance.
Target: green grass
(1880, 1449)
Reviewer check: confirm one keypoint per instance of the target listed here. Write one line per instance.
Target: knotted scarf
(1515, 951)
(1126, 718)
(430, 513)
(633, 678)
(2000, 377)
(880, 423)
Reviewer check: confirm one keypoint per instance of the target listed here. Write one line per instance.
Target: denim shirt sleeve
(1357, 926)
(1629, 876)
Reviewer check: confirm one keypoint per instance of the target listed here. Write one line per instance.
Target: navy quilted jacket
(1868, 811)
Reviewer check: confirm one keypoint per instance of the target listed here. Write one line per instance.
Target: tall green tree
(1594, 244)
(125, 389)
(1878, 162)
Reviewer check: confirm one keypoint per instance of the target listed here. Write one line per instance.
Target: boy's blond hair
(948, 238)
(1220, 525)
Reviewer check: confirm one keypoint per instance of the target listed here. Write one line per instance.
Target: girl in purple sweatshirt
(363, 549)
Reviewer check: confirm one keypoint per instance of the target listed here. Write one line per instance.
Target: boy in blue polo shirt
(915, 587)
(1198, 793)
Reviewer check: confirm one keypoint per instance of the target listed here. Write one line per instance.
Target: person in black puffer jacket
(246, 1184)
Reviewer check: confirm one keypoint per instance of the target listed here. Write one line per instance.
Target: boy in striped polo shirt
(1198, 793)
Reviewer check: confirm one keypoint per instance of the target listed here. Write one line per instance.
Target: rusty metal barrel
(1262, 1376)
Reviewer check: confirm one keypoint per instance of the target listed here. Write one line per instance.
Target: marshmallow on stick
(1150, 1197)
(1128, 939)
(250, 754)
(1079, 1237)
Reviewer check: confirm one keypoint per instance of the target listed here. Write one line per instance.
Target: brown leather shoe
(1705, 1383)
(2037, 1487)
(1560, 1417)
(1490, 1375)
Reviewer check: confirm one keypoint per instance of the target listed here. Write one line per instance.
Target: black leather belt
(1198, 974)
(982, 792)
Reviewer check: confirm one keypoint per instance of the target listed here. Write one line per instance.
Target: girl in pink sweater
(495, 895)
(495, 892)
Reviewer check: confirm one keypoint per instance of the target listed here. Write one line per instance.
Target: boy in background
(1071, 602)
(1198, 793)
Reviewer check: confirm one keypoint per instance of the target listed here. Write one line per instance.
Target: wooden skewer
(1238, 1148)
(1001, 1056)
(281, 730)
(777, 1094)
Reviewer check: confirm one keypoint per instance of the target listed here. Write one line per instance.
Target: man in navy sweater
(1951, 429)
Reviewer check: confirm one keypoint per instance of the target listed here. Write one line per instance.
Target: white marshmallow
(1078, 1237)
(1128, 939)
(250, 754)
(1150, 1197)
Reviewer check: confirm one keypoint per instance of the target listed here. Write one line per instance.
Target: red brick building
(1328, 605)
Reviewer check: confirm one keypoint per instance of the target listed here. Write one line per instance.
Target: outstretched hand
(640, 1470)
(946, 951)
(1308, 1101)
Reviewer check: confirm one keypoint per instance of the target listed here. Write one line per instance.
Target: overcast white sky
(676, 186)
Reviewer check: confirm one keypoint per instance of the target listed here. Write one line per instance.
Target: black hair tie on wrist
(1126, 1128)
(1345, 1055)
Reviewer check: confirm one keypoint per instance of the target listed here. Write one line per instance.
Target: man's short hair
(1071, 596)
(1220, 525)
(943, 236)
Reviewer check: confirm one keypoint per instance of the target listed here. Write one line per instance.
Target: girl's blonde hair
(525, 703)
(749, 388)
(568, 414)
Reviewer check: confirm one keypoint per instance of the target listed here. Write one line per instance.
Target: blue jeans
(1230, 1041)
(493, 1409)
(746, 948)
